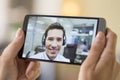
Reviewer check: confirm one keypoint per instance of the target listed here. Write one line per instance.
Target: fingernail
(19, 33)
(100, 37)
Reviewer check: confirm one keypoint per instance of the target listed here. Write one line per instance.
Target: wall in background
(109, 9)
(10, 21)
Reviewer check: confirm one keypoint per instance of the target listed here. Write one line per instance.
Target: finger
(13, 48)
(96, 50)
(111, 43)
(33, 70)
(37, 74)
(116, 70)
(108, 56)
(23, 77)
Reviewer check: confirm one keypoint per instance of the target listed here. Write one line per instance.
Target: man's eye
(59, 39)
(50, 39)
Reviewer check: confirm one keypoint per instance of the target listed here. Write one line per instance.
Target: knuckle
(110, 59)
(112, 34)
(87, 67)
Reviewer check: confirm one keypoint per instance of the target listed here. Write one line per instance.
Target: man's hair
(55, 25)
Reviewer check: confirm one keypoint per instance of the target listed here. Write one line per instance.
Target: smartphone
(62, 39)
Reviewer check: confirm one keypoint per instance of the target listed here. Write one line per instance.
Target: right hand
(100, 63)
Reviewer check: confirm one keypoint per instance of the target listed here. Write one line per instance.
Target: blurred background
(12, 14)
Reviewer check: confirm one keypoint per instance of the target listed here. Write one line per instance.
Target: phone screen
(59, 39)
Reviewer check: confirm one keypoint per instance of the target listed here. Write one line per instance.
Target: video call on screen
(79, 32)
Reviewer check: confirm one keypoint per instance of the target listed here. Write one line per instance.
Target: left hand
(13, 68)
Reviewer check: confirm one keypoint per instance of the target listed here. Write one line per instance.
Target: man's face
(54, 41)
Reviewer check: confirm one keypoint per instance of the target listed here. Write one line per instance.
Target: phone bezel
(100, 27)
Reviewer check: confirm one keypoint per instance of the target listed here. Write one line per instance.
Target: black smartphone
(63, 39)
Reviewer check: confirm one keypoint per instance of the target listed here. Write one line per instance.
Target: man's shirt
(43, 56)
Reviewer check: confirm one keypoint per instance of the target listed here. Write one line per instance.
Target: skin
(13, 68)
(54, 41)
(100, 63)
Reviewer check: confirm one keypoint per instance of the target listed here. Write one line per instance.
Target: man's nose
(54, 43)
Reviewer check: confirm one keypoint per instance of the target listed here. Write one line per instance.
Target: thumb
(13, 48)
